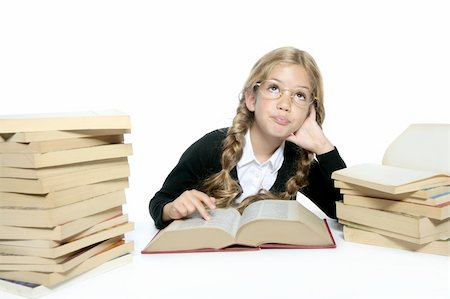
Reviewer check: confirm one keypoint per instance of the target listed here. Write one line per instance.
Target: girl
(274, 148)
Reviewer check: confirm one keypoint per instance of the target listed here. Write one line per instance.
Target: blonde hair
(221, 185)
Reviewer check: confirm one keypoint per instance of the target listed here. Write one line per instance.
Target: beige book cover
(79, 155)
(53, 171)
(39, 136)
(69, 247)
(430, 196)
(414, 226)
(63, 231)
(82, 120)
(61, 197)
(439, 247)
(65, 181)
(51, 279)
(440, 212)
(68, 262)
(416, 240)
(32, 290)
(40, 147)
(60, 215)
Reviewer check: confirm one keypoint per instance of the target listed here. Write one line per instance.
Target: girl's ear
(250, 100)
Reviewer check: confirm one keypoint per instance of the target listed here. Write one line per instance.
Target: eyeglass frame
(307, 103)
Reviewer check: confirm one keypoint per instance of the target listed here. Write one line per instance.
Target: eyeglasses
(273, 90)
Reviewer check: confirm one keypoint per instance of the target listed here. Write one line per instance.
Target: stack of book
(62, 191)
(404, 202)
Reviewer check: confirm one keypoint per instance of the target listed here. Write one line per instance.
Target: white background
(177, 67)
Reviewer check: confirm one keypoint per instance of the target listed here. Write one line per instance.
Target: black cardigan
(203, 157)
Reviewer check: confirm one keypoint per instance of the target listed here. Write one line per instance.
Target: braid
(221, 185)
(300, 179)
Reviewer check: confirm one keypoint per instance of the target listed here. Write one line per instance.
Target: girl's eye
(273, 89)
(300, 97)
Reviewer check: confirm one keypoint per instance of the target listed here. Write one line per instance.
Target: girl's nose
(284, 102)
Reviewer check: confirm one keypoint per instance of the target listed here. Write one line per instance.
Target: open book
(418, 159)
(263, 224)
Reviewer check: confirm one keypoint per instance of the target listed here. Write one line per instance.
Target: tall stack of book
(404, 202)
(62, 190)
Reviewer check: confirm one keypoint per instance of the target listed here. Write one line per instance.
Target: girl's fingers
(190, 202)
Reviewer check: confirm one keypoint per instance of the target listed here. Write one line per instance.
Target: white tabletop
(349, 271)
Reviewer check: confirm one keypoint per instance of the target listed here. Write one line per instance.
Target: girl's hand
(187, 203)
(310, 136)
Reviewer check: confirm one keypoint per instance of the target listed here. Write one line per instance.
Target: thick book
(434, 196)
(39, 136)
(108, 119)
(30, 243)
(33, 290)
(103, 172)
(40, 147)
(408, 165)
(439, 247)
(412, 226)
(64, 157)
(263, 224)
(61, 197)
(57, 216)
(10, 258)
(64, 264)
(69, 247)
(399, 236)
(66, 230)
(50, 279)
(59, 170)
(439, 212)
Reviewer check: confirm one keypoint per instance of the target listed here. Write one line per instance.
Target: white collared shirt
(253, 175)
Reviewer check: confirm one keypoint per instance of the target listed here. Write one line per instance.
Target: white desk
(349, 271)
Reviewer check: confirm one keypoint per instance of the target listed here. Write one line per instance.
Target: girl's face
(276, 119)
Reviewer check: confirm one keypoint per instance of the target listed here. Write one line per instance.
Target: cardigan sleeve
(320, 189)
(199, 161)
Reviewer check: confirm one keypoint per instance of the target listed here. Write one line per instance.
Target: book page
(266, 209)
(225, 219)
(421, 147)
(282, 222)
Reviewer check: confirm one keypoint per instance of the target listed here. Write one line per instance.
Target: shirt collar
(248, 156)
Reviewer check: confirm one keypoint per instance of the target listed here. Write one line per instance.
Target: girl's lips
(281, 120)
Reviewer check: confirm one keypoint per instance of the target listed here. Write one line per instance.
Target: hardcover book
(50, 279)
(433, 196)
(263, 224)
(421, 228)
(55, 135)
(64, 157)
(108, 119)
(440, 247)
(60, 232)
(439, 212)
(60, 215)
